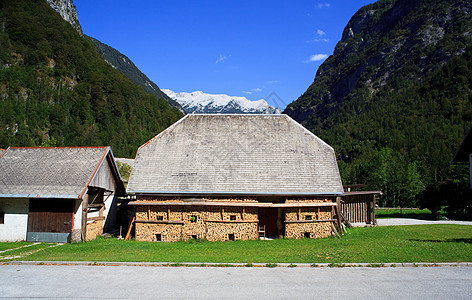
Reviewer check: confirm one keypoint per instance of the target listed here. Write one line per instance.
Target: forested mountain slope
(122, 63)
(395, 98)
(56, 89)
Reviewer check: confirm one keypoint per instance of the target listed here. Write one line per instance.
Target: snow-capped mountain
(199, 102)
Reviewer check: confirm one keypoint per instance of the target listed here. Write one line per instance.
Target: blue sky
(255, 49)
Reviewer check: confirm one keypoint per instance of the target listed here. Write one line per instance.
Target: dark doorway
(50, 220)
(268, 217)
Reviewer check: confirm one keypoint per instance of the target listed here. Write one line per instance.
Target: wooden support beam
(235, 204)
(128, 234)
(84, 217)
(310, 221)
(231, 221)
(337, 209)
(96, 218)
(345, 221)
(333, 228)
(159, 222)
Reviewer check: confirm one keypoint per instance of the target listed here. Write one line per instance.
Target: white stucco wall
(78, 214)
(16, 219)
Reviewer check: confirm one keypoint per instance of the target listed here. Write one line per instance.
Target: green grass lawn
(6, 246)
(21, 251)
(421, 243)
(383, 213)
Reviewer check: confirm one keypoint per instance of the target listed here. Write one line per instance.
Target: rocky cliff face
(381, 42)
(66, 9)
(395, 98)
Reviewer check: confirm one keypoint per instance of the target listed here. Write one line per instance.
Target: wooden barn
(234, 177)
(57, 194)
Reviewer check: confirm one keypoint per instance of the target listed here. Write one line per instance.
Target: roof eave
(39, 196)
(221, 193)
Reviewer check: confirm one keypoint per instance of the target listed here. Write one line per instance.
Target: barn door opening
(50, 220)
(268, 217)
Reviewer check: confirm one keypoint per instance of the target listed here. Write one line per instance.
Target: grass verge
(384, 213)
(420, 243)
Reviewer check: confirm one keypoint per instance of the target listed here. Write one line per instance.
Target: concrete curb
(226, 265)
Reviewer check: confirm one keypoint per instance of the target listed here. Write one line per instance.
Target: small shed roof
(61, 172)
(465, 149)
(235, 155)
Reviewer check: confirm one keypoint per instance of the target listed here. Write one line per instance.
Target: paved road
(138, 282)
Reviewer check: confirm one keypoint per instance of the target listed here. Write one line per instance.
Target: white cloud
(322, 5)
(222, 58)
(257, 90)
(246, 92)
(318, 36)
(273, 81)
(317, 57)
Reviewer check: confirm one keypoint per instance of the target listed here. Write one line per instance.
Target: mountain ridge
(68, 12)
(200, 102)
(123, 64)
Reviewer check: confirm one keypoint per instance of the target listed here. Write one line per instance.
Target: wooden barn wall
(104, 178)
(359, 208)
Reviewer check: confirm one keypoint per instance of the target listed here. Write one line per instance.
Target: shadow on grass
(469, 241)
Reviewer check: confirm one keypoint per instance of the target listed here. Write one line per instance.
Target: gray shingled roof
(48, 172)
(236, 154)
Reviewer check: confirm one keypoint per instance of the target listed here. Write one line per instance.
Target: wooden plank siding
(359, 208)
(50, 215)
(104, 178)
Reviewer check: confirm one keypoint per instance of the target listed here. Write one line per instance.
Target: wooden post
(242, 214)
(84, 217)
(338, 216)
(374, 221)
(168, 213)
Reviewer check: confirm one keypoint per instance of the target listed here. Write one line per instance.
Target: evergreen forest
(56, 89)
